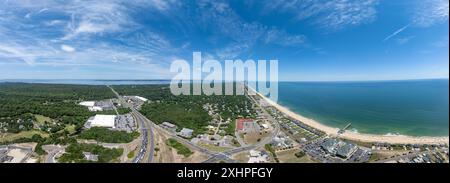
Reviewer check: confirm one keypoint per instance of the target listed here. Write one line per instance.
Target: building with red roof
(240, 123)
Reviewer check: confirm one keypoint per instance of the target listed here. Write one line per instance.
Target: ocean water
(413, 107)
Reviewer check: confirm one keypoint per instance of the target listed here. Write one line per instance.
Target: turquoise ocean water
(413, 107)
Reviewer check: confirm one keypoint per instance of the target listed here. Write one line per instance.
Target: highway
(146, 132)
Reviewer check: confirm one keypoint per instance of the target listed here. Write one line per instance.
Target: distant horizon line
(381, 80)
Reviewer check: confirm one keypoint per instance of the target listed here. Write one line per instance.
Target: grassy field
(289, 157)
(70, 128)
(181, 149)
(24, 134)
(40, 119)
(131, 154)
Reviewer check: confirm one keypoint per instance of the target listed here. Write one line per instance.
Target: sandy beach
(392, 139)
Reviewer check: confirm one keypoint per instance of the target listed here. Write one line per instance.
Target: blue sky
(314, 40)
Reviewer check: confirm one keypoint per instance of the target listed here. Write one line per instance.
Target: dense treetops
(74, 153)
(109, 136)
(57, 101)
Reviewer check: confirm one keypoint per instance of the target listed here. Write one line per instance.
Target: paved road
(56, 150)
(146, 131)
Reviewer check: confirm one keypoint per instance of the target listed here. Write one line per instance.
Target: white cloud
(67, 48)
(430, 12)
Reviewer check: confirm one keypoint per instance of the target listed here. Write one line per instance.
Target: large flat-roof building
(107, 121)
(141, 98)
(88, 103)
(346, 150)
(330, 145)
(94, 106)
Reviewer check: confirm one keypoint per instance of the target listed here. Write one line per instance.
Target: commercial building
(330, 145)
(135, 101)
(142, 98)
(282, 142)
(258, 157)
(247, 126)
(186, 132)
(169, 126)
(346, 150)
(87, 103)
(95, 106)
(107, 121)
(339, 148)
(105, 105)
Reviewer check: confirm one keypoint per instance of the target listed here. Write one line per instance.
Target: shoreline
(361, 137)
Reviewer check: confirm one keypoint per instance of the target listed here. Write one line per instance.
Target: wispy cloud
(243, 35)
(398, 31)
(72, 34)
(282, 38)
(330, 14)
(404, 40)
(164, 4)
(430, 12)
(15, 53)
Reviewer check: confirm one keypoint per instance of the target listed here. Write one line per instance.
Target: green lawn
(40, 119)
(24, 134)
(70, 128)
(131, 154)
(181, 149)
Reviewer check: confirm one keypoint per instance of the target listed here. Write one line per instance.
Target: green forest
(19, 102)
(74, 153)
(105, 135)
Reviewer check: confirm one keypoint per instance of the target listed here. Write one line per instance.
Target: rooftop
(103, 121)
